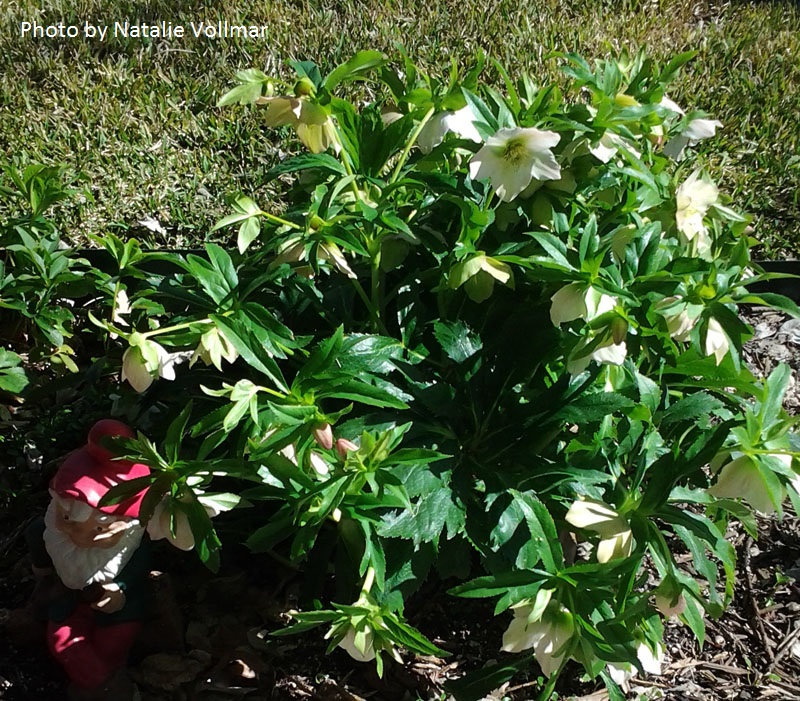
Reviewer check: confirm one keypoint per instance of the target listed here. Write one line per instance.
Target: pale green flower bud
(304, 87)
(669, 598)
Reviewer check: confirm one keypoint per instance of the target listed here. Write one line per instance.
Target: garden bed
(490, 346)
(212, 637)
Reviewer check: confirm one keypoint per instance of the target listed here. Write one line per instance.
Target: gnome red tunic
(100, 561)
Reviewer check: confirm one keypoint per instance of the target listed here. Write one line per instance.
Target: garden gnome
(94, 559)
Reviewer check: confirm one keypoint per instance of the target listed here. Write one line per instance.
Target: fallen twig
(755, 614)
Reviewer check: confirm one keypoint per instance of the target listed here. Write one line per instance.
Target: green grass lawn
(136, 118)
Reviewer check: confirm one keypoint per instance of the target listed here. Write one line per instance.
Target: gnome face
(87, 527)
(86, 545)
(89, 541)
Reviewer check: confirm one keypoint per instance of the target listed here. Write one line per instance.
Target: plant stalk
(279, 220)
(550, 687)
(409, 145)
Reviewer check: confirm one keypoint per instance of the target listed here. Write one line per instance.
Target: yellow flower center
(514, 151)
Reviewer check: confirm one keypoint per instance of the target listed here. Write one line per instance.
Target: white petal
(289, 453)
(604, 150)
(697, 193)
(716, 341)
(575, 366)
(509, 181)
(613, 354)
(318, 464)
(155, 527)
(568, 304)
(432, 133)
(618, 545)
(651, 662)
(741, 479)
(122, 305)
(462, 123)
(620, 672)
(670, 105)
(497, 269)
(598, 303)
(517, 636)
(168, 361)
(159, 526)
(511, 158)
(704, 195)
(702, 129)
(134, 369)
(550, 647)
(282, 111)
(590, 513)
(348, 643)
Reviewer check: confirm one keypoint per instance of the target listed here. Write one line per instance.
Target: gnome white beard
(78, 567)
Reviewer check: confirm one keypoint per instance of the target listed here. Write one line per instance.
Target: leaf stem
(549, 688)
(409, 145)
(279, 220)
(346, 162)
(369, 578)
(373, 311)
(177, 327)
(375, 278)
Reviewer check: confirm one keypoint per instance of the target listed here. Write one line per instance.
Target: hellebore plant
(485, 337)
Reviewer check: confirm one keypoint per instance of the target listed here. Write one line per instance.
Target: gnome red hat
(89, 472)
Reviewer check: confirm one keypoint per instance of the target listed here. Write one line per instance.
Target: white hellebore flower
(311, 122)
(608, 145)
(651, 663)
(358, 644)
(461, 123)
(609, 353)
(717, 343)
(513, 157)
(679, 321)
(171, 522)
(614, 531)
(145, 360)
(576, 301)
(650, 660)
(671, 105)
(213, 347)
(741, 478)
(161, 524)
(331, 253)
(548, 633)
(694, 197)
(612, 354)
(696, 130)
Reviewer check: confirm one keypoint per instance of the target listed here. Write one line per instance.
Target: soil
(209, 638)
